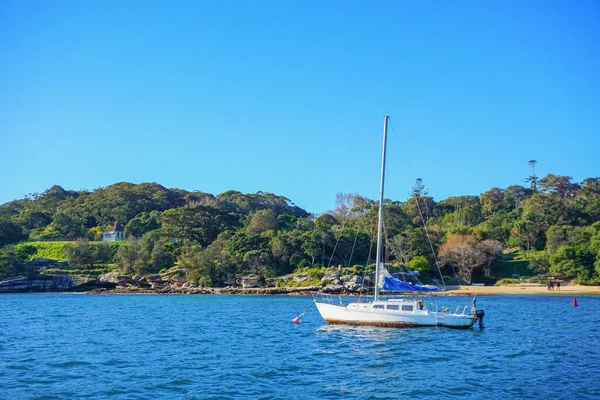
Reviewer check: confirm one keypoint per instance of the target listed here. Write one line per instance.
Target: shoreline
(537, 289)
(519, 289)
(126, 285)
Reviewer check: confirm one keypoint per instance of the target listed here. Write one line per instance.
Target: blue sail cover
(394, 284)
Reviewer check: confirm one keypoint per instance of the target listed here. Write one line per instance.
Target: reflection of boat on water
(394, 312)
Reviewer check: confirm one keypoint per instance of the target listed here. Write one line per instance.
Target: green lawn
(56, 250)
(514, 263)
(53, 250)
(88, 273)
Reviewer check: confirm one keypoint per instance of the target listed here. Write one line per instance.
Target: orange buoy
(574, 301)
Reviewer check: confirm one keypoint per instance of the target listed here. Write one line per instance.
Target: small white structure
(114, 234)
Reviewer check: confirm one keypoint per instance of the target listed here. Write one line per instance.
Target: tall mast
(380, 218)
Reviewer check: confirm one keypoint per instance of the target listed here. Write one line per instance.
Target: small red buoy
(574, 301)
(297, 320)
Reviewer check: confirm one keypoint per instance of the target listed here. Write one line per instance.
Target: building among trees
(114, 234)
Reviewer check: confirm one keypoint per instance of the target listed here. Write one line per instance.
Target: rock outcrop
(115, 278)
(174, 281)
(352, 283)
(48, 283)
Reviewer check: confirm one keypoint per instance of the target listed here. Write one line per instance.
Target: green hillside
(56, 250)
(513, 262)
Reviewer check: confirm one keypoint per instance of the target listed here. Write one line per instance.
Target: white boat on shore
(394, 312)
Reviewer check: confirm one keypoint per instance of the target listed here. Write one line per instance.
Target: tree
(419, 263)
(419, 189)
(559, 185)
(532, 178)
(400, 247)
(491, 201)
(497, 226)
(10, 233)
(591, 187)
(14, 262)
(573, 261)
(85, 254)
(466, 211)
(258, 262)
(351, 245)
(514, 196)
(208, 266)
(80, 254)
(236, 202)
(132, 258)
(142, 223)
(559, 235)
(492, 250)
(32, 219)
(395, 221)
(200, 224)
(418, 209)
(101, 252)
(68, 225)
(122, 201)
(461, 251)
(539, 262)
(261, 221)
(326, 221)
(421, 242)
(311, 245)
(160, 259)
(344, 207)
(538, 214)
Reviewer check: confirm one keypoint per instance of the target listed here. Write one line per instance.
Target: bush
(419, 263)
(315, 273)
(507, 281)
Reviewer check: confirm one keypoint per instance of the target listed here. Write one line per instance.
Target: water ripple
(244, 347)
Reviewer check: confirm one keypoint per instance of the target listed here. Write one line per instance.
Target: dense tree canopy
(556, 221)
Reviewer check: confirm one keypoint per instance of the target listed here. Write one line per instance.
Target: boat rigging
(394, 312)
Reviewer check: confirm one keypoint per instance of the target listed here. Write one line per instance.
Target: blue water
(65, 346)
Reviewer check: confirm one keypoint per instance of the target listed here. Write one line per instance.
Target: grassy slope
(514, 263)
(53, 250)
(56, 250)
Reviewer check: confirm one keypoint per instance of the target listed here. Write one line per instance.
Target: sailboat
(394, 312)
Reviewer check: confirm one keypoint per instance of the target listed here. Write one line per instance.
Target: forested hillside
(555, 222)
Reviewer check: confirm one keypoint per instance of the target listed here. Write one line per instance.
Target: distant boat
(394, 312)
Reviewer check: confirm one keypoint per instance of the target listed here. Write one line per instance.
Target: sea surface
(69, 346)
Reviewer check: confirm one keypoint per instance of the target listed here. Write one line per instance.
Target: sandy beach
(523, 289)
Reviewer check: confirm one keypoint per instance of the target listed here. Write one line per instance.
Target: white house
(114, 233)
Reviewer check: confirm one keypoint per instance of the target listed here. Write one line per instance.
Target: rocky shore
(174, 282)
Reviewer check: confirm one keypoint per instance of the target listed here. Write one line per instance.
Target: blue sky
(288, 96)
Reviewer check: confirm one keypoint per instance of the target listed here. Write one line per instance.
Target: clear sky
(288, 96)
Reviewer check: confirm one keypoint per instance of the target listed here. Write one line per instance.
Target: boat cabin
(391, 305)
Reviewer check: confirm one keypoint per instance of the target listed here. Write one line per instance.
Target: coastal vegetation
(550, 227)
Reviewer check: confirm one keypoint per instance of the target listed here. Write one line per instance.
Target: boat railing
(321, 297)
(462, 312)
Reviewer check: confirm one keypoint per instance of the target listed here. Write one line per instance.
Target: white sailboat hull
(365, 314)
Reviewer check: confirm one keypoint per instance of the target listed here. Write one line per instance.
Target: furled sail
(388, 282)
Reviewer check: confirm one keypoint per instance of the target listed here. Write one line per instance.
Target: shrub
(507, 281)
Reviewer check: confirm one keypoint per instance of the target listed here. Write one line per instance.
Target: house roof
(116, 228)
